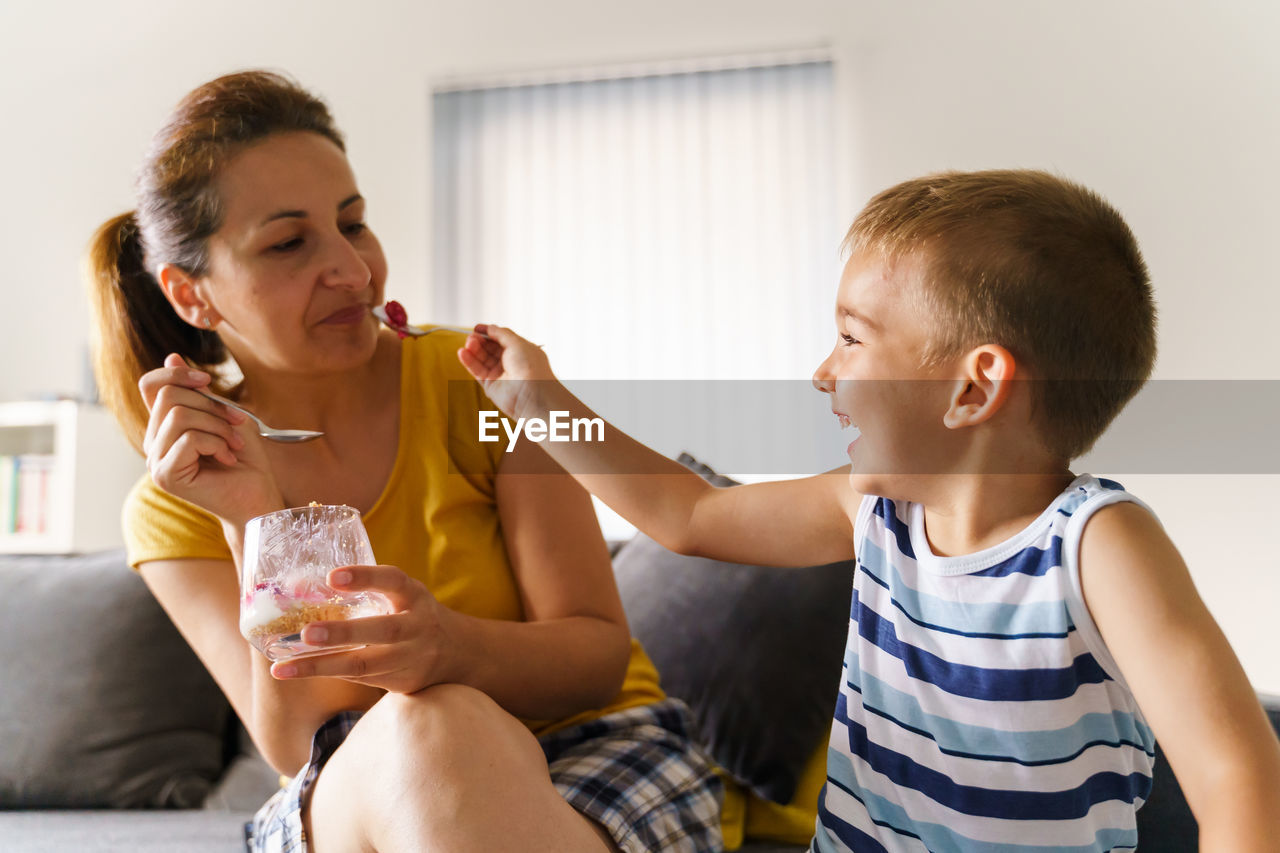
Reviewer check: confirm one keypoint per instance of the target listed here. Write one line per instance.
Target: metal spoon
(415, 331)
(283, 435)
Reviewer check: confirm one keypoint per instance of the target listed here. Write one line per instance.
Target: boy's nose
(823, 379)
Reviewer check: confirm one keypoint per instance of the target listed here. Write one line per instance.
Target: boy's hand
(509, 368)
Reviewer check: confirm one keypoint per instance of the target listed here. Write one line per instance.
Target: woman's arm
(1187, 680)
(572, 651)
(202, 598)
(569, 655)
(209, 455)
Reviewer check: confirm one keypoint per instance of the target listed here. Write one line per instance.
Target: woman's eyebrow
(284, 214)
(302, 214)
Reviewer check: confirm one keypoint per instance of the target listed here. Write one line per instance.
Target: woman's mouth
(348, 315)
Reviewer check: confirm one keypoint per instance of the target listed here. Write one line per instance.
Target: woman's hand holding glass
(202, 451)
(212, 456)
(402, 652)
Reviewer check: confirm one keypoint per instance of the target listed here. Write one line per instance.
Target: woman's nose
(345, 267)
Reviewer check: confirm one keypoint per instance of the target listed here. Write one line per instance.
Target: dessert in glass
(283, 582)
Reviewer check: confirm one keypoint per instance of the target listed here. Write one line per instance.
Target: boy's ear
(983, 388)
(186, 296)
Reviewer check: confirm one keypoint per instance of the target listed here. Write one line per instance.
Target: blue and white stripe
(978, 707)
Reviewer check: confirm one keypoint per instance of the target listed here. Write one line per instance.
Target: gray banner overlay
(786, 428)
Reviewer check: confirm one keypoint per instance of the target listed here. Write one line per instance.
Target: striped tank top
(979, 709)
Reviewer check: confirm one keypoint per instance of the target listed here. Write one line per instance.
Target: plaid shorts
(638, 773)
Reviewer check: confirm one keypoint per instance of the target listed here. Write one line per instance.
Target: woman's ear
(983, 388)
(185, 295)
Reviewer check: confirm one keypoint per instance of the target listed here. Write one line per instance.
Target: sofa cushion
(754, 651)
(102, 703)
(105, 831)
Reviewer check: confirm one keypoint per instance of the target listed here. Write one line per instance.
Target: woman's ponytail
(134, 326)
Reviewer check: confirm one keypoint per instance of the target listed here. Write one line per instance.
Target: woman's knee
(446, 719)
(448, 733)
(439, 709)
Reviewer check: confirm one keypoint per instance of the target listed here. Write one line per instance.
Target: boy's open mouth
(846, 422)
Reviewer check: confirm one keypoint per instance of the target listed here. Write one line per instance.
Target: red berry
(396, 313)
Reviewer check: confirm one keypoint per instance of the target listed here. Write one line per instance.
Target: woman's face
(293, 271)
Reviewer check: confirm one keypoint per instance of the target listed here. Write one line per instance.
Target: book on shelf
(8, 493)
(25, 493)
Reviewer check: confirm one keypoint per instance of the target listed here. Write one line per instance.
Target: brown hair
(135, 327)
(1037, 264)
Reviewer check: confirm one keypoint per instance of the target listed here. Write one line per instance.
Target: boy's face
(875, 378)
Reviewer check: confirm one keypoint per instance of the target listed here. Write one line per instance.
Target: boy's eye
(849, 340)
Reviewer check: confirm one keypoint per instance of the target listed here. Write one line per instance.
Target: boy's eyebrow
(302, 214)
(846, 311)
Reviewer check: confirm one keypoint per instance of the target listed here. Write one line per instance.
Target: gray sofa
(114, 738)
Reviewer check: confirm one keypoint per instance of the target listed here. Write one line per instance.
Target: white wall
(84, 85)
(1168, 109)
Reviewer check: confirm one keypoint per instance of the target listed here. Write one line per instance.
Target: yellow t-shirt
(436, 519)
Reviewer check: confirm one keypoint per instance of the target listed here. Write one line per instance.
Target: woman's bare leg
(444, 769)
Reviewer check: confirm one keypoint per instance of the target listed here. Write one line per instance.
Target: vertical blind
(657, 226)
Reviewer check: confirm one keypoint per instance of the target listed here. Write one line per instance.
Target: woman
(503, 704)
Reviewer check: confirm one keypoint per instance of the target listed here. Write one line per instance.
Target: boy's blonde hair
(1039, 265)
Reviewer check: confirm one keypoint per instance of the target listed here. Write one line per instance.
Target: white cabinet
(65, 469)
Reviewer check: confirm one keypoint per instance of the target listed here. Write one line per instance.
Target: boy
(1014, 626)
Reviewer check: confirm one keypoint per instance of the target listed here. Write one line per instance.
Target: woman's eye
(355, 228)
(849, 340)
(287, 245)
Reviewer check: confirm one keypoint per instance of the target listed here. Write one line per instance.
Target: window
(657, 223)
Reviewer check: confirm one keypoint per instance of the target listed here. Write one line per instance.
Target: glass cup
(287, 558)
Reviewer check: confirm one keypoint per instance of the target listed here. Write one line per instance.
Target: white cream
(260, 611)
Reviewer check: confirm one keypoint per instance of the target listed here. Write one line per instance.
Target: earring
(208, 324)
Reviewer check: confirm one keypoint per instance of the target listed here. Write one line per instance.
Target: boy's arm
(787, 523)
(1187, 680)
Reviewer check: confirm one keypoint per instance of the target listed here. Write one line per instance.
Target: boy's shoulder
(1056, 533)
(1084, 496)
(1100, 514)
(1123, 555)
(1119, 524)
(1090, 498)
(1089, 493)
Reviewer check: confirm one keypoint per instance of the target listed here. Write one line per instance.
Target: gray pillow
(755, 651)
(102, 703)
